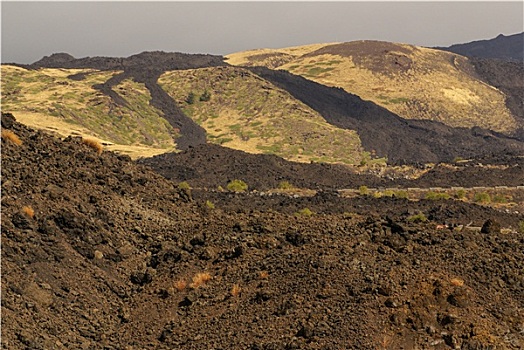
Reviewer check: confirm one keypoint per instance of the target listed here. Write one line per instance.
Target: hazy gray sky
(31, 30)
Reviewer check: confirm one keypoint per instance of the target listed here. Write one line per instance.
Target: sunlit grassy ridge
(248, 113)
(413, 82)
(48, 99)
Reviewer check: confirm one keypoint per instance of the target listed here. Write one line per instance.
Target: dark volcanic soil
(110, 256)
(211, 166)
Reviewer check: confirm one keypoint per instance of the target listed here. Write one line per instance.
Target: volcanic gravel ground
(114, 256)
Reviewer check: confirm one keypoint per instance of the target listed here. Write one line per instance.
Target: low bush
(418, 218)
(184, 186)
(482, 197)
(434, 196)
(237, 186)
(401, 194)
(499, 199)
(460, 194)
(27, 210)
(363, 190)
(285, 185)
(200, 279)
(235, 291)
(94, 144)
(304, 212)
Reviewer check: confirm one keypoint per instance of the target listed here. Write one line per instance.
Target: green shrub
(206, 96)
(460, 194)
(363, 190)
(436, 196)
(521, 226)
(482, 197)
(210, 204)
(388, 193)
(184, 186)
(418, 218)
(190, 99)
(285, 185)
(304, 212)
(237, 186)
(401, 194)
(499, 199)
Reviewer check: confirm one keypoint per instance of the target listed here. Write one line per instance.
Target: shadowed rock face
(144, 68)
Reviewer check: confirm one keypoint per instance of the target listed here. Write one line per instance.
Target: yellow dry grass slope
(48, 99)
(248, 113)
(413, 82)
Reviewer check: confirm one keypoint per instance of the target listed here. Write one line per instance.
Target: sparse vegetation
(11, 137)
(498, 198)
(305, 212)
(29, 211)
(235, 290)
(401, 194)
(521, 226)
(94, 144)
(457, 282)
(191, 98)
(363, 190)
(180, 285)
(200, 279)
(482, 197)
(206, 96)
(252, 115)
(237, 186)
(210, 204)
(435, 196)
(184, 185)
(418, 218)
(47, 99)
(460, 194)
(285, 185)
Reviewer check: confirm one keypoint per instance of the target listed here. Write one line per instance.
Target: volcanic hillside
(352, 103)
(413, 82)
(99, 252)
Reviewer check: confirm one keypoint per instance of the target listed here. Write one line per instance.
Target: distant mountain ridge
(510, 47)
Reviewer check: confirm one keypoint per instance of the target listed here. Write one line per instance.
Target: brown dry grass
(180, 285)
(235, 291)
(200, 279)
(263, 275)
(457, 282)
(94, 144)
(27, 210)
(12, 137)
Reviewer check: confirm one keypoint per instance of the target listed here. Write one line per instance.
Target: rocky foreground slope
(101, 253)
